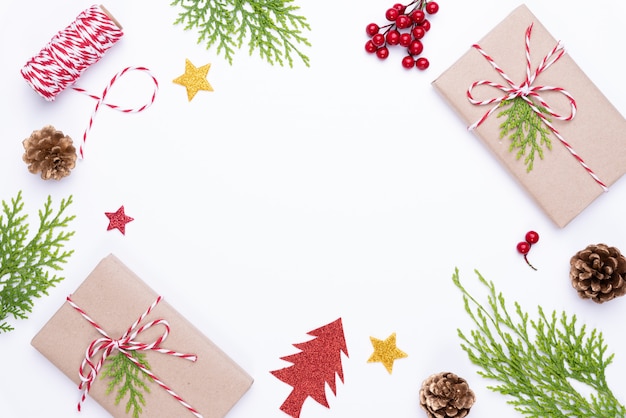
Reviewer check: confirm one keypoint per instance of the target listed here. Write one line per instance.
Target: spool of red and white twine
(105, 345)
(527, 90)
(70, 52)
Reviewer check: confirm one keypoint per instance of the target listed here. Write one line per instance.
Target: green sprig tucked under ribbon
(525, 125)
(130, 379)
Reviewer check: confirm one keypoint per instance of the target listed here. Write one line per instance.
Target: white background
(290, 197)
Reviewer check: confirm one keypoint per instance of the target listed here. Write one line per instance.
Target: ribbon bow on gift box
(89, 369)
(527, 91)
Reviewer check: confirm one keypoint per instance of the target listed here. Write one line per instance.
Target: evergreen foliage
(129, 377)
(25, 263)
(540, 363)
(272, 27)
(525, 125)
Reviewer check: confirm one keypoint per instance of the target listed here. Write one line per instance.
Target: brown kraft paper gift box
(114, 297)
(560, 185)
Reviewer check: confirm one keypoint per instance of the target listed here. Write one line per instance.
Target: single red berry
(405, 39)
(378, 39)
(432, 7)
(417, 16)
(393, 37)
(422, 63)
(403, 22)
(370, 47)
(399, 7)
(408, 62)
(392, 14)
(532, 237)
(418, 32)
(415, 47)
(425, 24)
(382, 52)
(523, 247)
(372, 29)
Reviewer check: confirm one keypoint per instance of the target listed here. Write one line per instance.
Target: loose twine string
(70, 52)
(527, 91)
(89, 368)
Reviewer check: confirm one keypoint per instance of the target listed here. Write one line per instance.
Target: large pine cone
(446, 395)
(598, 273)
(51, 152)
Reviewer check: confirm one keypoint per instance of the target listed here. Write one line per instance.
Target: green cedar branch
(129, 377)
(540, 362)
(25, 263)
(272, 27)
(525, 124)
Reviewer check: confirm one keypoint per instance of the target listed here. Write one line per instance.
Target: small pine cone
(446, 395)
(51, 152)
(598, 273)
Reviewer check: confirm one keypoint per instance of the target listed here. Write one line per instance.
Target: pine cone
(598, 273)
(51, 152)
(446, 395)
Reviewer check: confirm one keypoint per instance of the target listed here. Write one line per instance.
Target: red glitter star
(118, 220)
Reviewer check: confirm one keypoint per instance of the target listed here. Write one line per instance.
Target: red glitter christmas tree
(313, 367)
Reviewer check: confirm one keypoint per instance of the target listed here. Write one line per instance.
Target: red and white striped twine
(70, 52)
(89, 368)
(100, 101)
(527, 91)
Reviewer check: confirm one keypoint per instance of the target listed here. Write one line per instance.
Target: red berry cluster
(523, 247)
(407, 28)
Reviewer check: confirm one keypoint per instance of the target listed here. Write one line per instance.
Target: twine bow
(527, 91)
(127, 343)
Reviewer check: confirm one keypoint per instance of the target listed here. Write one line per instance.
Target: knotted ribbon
(127, 343)
(527, 91)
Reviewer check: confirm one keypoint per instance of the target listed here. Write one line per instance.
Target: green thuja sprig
(25, 263)
(525, 125)
(128, 378)
(272, 27)
(540, 363)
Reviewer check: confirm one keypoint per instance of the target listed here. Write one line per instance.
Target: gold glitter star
(386, 352)
(194, 79)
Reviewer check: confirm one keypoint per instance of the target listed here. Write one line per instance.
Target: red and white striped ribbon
(100, 101)
(527, 91)
(70, 52)
(89, 368)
